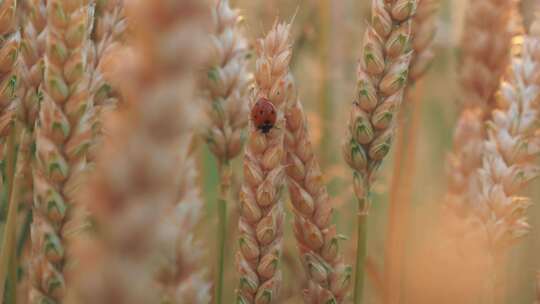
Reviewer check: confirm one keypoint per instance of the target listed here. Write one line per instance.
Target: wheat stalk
(62, 136)
(137, 177)
(382, 77)
(317, 238)
(261, 212)
(226, 88)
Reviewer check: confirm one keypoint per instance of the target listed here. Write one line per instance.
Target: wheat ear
(62, 135)
(226, 88)
(382, 77)
(136, 178)
(486, 50)
(510, 149)
(261, 211)
(317, 238)
(509, 156)
(227, 84)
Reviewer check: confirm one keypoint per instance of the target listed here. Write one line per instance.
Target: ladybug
(264, 115)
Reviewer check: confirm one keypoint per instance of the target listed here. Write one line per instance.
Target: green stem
(225, 172)
(10, 230)
(361, 250)
(11, 284)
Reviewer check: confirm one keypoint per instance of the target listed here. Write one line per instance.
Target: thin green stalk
(10, 230)
(225, 186)
(11, 284)
(361, 250)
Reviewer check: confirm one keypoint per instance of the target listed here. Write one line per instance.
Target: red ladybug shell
(264, 115)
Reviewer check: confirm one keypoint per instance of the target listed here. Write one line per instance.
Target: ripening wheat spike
(509, 153)
(227, 84)
(261, 210)
(509, 156)
(317, 238)
(62, 135)
(385, 60)
(482, 65)
(382, 77)
(226, 91)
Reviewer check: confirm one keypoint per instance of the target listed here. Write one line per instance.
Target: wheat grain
(137, 177)
(62, 135)
(318, 241)
(261, 212)
(34, 35)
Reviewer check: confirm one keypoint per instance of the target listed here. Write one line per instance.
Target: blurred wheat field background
(119, 188)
